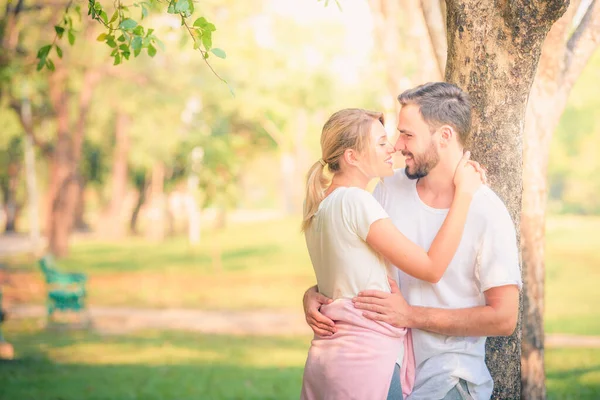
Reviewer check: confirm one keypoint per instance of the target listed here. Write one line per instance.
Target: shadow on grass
(41, 379)
(573, 373)
(84, 365)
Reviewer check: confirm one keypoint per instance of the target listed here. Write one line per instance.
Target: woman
(348, 235)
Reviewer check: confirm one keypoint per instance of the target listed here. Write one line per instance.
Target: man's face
(416, 142)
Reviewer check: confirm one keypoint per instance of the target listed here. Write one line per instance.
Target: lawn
(265, 265)
(180, 365)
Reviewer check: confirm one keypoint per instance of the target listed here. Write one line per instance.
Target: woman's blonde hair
(349, 128)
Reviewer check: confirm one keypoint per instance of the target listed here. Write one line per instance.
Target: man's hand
(386, 307)
(312, 302)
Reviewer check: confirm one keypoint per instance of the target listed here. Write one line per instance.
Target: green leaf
(124, 47)
(117, 60)
(121, 38)
(43, 51)
(114, 17)
(185, 7)
(128, 24)
(111, 43)
(71, 36)
(207, 40)
(104, 17)
(50, 64)
(97, 6)
(200, 22)
(159, 43)
(126, 54)
(210, 27)
(197, 43)
(151, 50)
(136, 52)
(218, 52)
(59, 31)
(139, 30)
(171, 8)
(101, 37)
(149, 32)
(59, 51)
(144, 12)
(41, 64)
(136, 43)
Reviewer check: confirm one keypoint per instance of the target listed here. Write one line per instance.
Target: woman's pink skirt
(357, 362)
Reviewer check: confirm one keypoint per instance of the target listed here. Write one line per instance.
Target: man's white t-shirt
(344, 263)
(487, 257)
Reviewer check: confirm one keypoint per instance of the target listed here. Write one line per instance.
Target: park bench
(66, 290)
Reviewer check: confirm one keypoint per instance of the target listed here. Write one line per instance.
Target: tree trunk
(493, 51)
(79, 223)
(156, 209)
(61, 191)
(9, 193)
(113, 225)
(142, 188)
(554, 80)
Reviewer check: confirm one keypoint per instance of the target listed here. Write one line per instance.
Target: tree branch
(435, 20)
(582, 44)
(45, 147)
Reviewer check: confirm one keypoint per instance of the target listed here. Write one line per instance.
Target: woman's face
(378, 161)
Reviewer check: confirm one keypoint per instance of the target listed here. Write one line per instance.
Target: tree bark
(493, 51)
(553, 82)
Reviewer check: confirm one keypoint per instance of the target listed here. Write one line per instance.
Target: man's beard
(424, 164)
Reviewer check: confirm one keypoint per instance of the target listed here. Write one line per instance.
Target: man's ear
(447, 134)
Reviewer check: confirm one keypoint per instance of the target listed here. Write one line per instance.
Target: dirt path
(277, 323)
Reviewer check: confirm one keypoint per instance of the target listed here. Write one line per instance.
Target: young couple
(371, 343)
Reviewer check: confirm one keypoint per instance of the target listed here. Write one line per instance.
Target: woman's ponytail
(316, 184)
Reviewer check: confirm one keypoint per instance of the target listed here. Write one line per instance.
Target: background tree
(566, 51)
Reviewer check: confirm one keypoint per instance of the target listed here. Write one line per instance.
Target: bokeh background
(187, 221)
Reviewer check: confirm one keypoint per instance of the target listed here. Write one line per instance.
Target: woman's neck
(348, 180)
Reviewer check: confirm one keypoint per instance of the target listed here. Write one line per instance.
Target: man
(478, 296)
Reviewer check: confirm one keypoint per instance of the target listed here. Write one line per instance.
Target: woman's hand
(469, 175)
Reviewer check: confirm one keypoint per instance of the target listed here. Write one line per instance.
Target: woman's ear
(350, 156)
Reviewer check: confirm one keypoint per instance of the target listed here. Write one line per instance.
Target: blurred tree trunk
(564, 55)
(64, 188)
(113, 222)
(79, 223)
(141, 185)
(156, 207)
(493, 52)
(9, 182)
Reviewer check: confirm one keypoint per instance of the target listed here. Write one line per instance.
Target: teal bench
(66, 290)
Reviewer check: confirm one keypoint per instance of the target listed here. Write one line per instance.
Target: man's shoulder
(398, 180)
(489, 205)
(392, 185)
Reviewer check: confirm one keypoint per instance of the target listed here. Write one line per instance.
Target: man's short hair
(442, 103)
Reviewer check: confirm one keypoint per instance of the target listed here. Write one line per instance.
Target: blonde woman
(349, 236)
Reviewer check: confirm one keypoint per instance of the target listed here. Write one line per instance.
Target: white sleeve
(360, 210)
(499, 255)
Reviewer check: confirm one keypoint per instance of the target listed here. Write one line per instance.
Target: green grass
(265, 265)
(182, 365)
(572, 275)
(149, 365)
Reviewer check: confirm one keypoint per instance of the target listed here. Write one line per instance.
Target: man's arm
(312, 302)
(497, 318)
